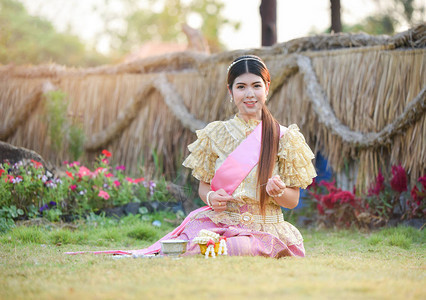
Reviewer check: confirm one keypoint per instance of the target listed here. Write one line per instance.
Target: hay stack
(358, 99)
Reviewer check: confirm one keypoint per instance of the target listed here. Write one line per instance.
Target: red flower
(422, 180)
(106, 153)
(378, 186)
(344, 197)
(103, 194)
(8, 178)
(73, 187)
(36, 164)
(69, 174)
(330, 186)
(415, 193)
(320, 209)
(2, 171)
(399, 179)
(137, 180)
(312, 185)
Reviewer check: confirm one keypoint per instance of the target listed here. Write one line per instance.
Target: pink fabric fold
(156, 247)
(240, 162)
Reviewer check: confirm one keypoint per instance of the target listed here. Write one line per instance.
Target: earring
(230, 99)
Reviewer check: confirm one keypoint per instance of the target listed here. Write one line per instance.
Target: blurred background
(93, 32)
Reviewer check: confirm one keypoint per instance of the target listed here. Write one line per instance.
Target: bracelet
(207, 198)
(278, 195)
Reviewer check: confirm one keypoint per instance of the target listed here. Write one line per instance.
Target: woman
(249, 212)
(249, 167)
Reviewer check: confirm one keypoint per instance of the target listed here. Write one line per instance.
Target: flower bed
(27, 190)
(384, 201)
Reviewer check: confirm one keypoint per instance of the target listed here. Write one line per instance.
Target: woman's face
(249, 93)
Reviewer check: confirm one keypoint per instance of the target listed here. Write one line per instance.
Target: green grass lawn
(385, 264)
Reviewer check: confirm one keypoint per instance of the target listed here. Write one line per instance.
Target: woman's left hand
(275, 186)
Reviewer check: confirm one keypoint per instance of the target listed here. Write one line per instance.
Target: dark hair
(270, 127)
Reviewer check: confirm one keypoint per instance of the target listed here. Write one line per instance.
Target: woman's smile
(249, 93)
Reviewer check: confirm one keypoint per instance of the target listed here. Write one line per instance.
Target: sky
(295, 18)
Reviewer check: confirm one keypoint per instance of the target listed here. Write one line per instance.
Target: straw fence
(358, 99)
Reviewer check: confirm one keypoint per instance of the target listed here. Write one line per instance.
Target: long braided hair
(270, 127)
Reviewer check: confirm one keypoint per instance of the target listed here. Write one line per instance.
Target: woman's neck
(247, 118)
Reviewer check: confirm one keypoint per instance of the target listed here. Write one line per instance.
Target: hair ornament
(245, 58)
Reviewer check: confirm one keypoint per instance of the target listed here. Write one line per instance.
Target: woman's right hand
(219, 199)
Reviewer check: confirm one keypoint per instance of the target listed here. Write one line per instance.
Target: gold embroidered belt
(248, 218)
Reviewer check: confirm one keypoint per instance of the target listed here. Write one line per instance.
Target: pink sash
(240, 162)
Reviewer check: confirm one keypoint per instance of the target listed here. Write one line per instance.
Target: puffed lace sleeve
(202, 158)
(295, 159)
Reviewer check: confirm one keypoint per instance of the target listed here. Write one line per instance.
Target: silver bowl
(173, 247)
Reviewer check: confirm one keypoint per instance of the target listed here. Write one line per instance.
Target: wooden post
(268, 13)
(336, 24)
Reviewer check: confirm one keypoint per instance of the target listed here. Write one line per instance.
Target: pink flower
(117, 183)
(106, 153)
(399, 179)
(378, 186)
(105, 161)
(100, 170)
(76, 163)
(84, 172)
(131, 180)
(103, 194)
(122, 168)
(73, 187)
(108, 175)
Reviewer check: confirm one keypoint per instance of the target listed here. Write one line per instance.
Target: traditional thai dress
(245, 229)
(247, 232)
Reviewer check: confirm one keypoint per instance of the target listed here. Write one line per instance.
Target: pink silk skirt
(240, 241)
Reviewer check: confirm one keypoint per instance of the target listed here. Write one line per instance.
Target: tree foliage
(26, 39)
(162, 21)
(390, 15)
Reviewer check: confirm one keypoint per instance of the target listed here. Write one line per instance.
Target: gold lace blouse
(293, 164)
